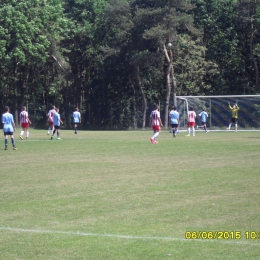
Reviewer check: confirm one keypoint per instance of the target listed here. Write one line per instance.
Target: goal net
(219, 111)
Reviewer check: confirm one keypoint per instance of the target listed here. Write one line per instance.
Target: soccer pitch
(114, 195)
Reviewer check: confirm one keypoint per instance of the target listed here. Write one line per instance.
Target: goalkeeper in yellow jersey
(234, 118)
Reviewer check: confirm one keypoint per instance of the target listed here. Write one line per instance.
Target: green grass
(114, 195)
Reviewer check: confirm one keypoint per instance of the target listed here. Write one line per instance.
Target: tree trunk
(67, 115)
(251, 48)
(168, 93)
(15, 94)
(16, 105)
(174, 86)
(169, 75)
(134, 107)
(139, 83)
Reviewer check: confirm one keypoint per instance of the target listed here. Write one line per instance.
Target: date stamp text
(222, 235)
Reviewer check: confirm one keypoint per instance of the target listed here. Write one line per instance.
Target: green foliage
(226, 26)
(111, 54)
(24, 29)
(191, 67)
(27, 30)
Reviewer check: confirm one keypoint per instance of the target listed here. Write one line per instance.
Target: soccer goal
(219, 112)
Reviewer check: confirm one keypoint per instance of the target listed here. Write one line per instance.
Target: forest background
(115, 59)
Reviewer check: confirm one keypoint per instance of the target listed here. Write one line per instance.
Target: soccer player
(8, 127)
(155, 121)
(191, 121)
(203, 115)
(174, 117)
(50, 119)
(76, 119)
(234, 111)
(56, 121)
(24, 121)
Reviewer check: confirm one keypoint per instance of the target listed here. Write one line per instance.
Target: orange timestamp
(222, 235)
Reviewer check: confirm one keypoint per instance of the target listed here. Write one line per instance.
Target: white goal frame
(228, 97)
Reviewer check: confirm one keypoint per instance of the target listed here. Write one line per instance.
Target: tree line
(114, 58)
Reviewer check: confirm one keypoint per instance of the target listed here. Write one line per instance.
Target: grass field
(114, 195)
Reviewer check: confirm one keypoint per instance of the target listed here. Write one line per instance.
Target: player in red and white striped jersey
(24, 121)
(191, 121)
(50, 119)
(155, 121)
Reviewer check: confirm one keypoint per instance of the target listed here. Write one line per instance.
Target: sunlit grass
(114, 195)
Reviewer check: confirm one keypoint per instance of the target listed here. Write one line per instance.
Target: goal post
(219, 111)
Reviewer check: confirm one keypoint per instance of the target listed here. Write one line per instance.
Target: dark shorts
(203, 123)
(233, 120)
(56, 127)
(76, 123)
(8, 133)
(174, 125)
